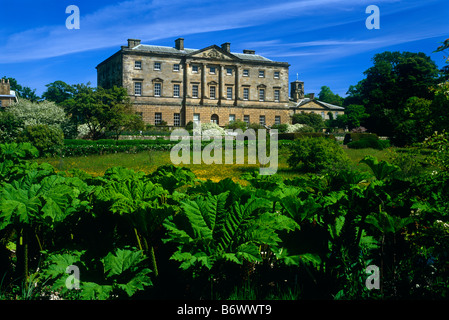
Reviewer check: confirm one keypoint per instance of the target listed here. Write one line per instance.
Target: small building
(7, 96)
(301, 104)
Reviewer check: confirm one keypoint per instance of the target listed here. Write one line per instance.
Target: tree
(390, 82)
(58, 92)
(326, 95)
(353, 118)
(313, 120)
(33, 113)
(102, 110)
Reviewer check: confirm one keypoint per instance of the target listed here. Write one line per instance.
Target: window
(229, 71)
(194, 91)
(157, 66)
(176, 67)
(276, 74)
(262, 120)
(261, 94)
(177, 119)
(1, 103)
(246, 73)
(176, 90)
(137, 64)
(261, 74)
(157, 118)
(157, 89)
(276, 95)
(231, 117)
(229, 93)
(212, 70)
(194, 68)
(277, 119)
(246, 118)
(212, 91)
(323, 115)
(336, 114)
(196, 118)
(245, 93)
(137, 88)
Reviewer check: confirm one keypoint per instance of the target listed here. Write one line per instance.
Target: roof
(12, 94)
(171, 50)
(305, 101)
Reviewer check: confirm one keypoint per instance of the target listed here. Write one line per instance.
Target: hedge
(299, 135)
(356, 136)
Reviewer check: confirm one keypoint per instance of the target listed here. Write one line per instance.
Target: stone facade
(7, 96)
(177, 85)
(301, 104)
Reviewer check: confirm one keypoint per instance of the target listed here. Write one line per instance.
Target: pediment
(214, 53)
(312, 105)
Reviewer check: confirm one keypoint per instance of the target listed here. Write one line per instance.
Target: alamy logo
(373, 281)
(373, 21)
(72, 281)
(213, 152)
(73, 21)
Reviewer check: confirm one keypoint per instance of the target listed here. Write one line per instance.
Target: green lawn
(148, 162)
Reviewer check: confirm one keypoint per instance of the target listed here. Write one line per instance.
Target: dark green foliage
(9, 127)
(301, 135)
(316, 154)
(45, 138)
(313, 120)
(167, 235)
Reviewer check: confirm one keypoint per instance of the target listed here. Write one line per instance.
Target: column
(237, 85)
(203, 83)
(221, 92)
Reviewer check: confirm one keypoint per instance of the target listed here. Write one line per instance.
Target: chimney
(179, 44)
(132, 43)
(312, 96)
(226, 47)
(249, 51)
(5, 87)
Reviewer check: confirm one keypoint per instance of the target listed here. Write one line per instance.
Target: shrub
(310, 119)
(238, 124)
(316, 154)
(45, 138)
(369, 143)
(300, 135)
(298, 127)
(355, 136)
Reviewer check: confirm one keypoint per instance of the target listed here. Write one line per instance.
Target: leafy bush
(237, 124)
(10, 126)
(313, 120)
(355, 136)
(369, 143)
(45, 138)
(316, 154)
(301, 135)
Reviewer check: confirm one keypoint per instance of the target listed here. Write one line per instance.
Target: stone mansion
(178, 85)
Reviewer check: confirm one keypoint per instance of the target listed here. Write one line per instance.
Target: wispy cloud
(153, 20)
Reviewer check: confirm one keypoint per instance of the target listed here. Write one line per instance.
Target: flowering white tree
(33, 113)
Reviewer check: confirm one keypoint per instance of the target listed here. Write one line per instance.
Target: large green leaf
(382, 169)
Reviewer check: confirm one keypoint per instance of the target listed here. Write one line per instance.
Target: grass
(149, 161)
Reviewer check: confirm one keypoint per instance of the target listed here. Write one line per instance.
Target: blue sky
(325, 41)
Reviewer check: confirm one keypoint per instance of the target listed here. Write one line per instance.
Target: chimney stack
(249, 51)
(132, 43)
(5, 87)
(226, 47)
(179, 44)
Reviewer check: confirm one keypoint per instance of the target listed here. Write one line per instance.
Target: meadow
(149, 161)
